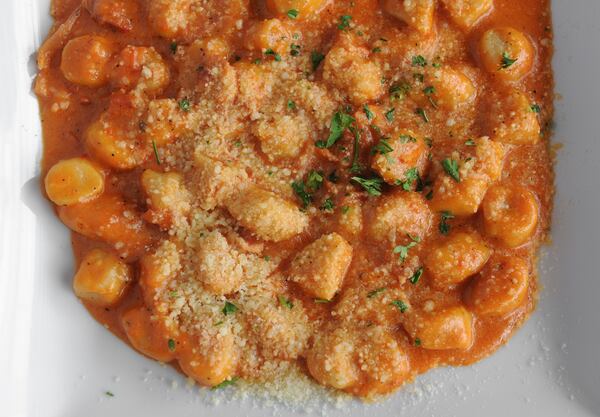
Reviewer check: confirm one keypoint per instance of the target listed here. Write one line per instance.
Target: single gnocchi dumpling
(283, 137)
(142, 68)
(218, 264)
(445, 329)
(111, 220)
(501, 287)
(321, 267)
(399, 214)
(269, 35)
(85, 60)
(166, 119)
(506, 53)
(101, 278)
(449, 88)
(348, 67)
(267, 215)
(382, 360)
(332, 358)
(168, 199)
(305, 8)
(510, 214)
(460, 189)
(147, 334)
(511, 119)
(467, 13)
(210, 362)
(73, 181)
(158, 268)
(213, 182)
(418, 14)
(401, 160)
(460, 256)
(106, 144)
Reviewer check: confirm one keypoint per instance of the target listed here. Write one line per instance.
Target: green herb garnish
(451, 168)
(371, 185)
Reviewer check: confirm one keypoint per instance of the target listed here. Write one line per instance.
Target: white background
(55, 361)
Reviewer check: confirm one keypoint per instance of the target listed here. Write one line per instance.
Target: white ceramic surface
(55, 361)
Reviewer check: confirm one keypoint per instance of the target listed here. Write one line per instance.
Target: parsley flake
(451, 168)
(275, 55)
(295, 49)
(470, 142)
(417, 342)
(173, 47)
(506, 61)
(411, 175)
(371, 185)
(535, 108)
(402, 306)
(292, 13)
(285, 302)
(315, 58)
(375, 293)
(321, 301)
(184, 104)
(421, 112)
(344, 22)
(109, 394)
(155, 152)
(444, 227)
(416, 276)
(229, 308)
(291, 105)
(402, 251)
(314, 180)
(300, 191)
(339, 123)
(328, 205)
(389, 115)
(225, 383)
(171, 345)
(419, 61)
(368, 113)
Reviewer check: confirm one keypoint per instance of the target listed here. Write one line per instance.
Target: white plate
(57, 362)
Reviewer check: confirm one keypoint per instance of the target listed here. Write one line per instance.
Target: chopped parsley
(225, 383)
(371, 185)
(339, 123)
(295, 49)
(315, 58)
(444, 227)
(416, 276)
(402, 251)
(328, 205)
(109, 394)
(506, 61)
(407, 138)
(173, 47)
(421, 112)
(291, 105)
(399, 91)
(229, 308)
(375, 293)
(417, 342)
(535, 108)
(285, 302)
(389, 115)
(184, 104)
(171, 345)
(429, 90)
(314, 180)
(411, 175)
(451, 168)
(300, 191)
(383, 148)
(368, 113)
(333, 177)
(419, 61)
(321, 301)
(292, 13)
(275, 55)
(355, 167)
(470, 142)
(402, 306)
(344, 22)
(155, 152)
